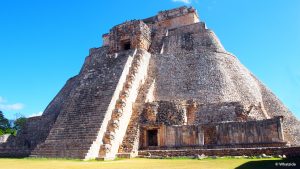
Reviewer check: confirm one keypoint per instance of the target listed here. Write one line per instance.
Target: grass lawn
(140, 163)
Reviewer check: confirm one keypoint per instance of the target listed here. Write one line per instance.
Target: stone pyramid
(171, 57)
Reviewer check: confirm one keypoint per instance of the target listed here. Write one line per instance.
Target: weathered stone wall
(193, 76)
(193, 38)
(135, 32)
(194, 66)
(194, 112)
(180, 136)
(217, 112)
(217, 134)
(177, 17)
(193, 28)
(275, 151)
(176, 21)
(265, 131)
(227, 111)
(175, 13)
(164, 112)
(33, 133)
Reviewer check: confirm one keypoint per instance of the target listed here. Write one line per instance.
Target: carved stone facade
(164, 112)
(130, 35)
(214, 135)
(164, 82)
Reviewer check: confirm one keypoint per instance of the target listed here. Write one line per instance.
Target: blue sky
(43, 43)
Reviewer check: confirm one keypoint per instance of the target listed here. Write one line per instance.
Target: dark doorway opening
(152, 138)
(126, 45)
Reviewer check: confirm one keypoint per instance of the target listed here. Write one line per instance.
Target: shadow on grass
(272, 164)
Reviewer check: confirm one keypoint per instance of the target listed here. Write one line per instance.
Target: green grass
(139, 163)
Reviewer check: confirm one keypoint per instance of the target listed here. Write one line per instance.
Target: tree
(19, 123)
(6, 128)
(4, 124)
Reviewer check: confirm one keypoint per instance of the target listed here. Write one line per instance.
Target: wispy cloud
(2, 100)
(183, 1)
(7, 107)
(36, 114)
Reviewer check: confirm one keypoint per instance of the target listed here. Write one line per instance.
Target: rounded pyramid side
(194, 65)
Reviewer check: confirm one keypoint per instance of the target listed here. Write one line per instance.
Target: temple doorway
(152, 138)
(126, 45)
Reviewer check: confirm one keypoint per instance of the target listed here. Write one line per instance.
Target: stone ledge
(288, 151)
(242, 145)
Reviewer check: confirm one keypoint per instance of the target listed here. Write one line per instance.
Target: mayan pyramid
(165, 71)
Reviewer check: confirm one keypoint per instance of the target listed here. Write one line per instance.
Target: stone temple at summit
(162, 85)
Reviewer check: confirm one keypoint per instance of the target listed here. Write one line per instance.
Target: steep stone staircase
(94, 120)
(122, 113)
(79, 128)
(130, 144)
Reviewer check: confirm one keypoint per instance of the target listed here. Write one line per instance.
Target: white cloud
(7, 107)
(36, 114)
(183, 1)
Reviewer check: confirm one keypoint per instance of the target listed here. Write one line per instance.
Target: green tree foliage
(19, 123)
(6, 128)
(4, 124)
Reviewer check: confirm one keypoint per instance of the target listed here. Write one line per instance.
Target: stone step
(86, 117)
(63, 147)
(75, 135)
(124, 155)
(76, 129)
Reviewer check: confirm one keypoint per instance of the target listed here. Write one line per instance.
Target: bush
(6, 128)
(4, 124)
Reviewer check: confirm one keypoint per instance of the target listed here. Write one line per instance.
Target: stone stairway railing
(130, 144)
(121, 115)
(95, 147)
